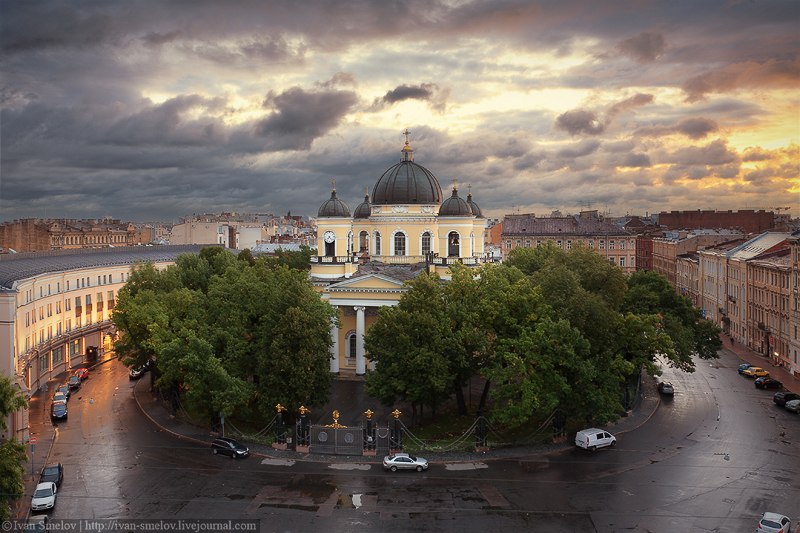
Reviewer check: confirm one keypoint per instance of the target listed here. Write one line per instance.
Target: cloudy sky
(155, 110)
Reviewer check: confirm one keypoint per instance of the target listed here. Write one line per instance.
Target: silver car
(404, 461)
(774, 523)
(793, 406)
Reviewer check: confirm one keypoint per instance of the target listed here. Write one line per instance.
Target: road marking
(465, 466)
(278, 462)
(350, 466)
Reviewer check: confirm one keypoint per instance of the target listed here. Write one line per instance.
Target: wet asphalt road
(711, 459)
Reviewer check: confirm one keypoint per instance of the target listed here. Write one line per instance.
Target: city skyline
(154, 110)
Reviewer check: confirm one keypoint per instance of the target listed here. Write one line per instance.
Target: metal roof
(16, 267)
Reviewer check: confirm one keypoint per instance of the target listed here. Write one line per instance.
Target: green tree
(12, 453)
(408, 344)
(649, 293)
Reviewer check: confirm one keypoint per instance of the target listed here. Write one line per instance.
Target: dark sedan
(666, 388)
(768, 383)
(74, 382)
(780, 398)
(58, 410)
(53, 472)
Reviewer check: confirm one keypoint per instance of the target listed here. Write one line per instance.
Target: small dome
(334, 207)
(363, 210)
(407, 183)
(455, 207)
(475, 209)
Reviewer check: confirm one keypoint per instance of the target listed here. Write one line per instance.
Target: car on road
(755, 372)
(593, 438)
(37, 523)
(666, 388)
(774, 523)
(793, 406)
(743, 367)
(60, 397)
(768, 383)
(65, 389)
(230, 447)
(74, 382)
(780, 398)
(53, 472)
(136, 372)
(44, 497)
(82, 373)
(404, 461)
(58, 410)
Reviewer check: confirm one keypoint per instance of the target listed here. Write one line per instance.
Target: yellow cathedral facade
(364, 257)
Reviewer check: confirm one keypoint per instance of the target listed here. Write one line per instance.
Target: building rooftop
(16, 267)
(571, 225)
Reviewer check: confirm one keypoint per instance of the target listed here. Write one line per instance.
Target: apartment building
(671, 244)
(617, 245)
(769, 327)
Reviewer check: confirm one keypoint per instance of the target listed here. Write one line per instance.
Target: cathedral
(404, 228)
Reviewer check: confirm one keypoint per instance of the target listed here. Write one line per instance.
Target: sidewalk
(167, 422)
(790, 382)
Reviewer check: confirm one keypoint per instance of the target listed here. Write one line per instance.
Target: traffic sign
(33, 440)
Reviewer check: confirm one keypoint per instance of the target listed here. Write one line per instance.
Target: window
(41, 313)
(508, 244)
(527, 243)
(611, 260)
(558, 243)
(569, 245)
(622, 261)
(377, 243)
(88, 299)
(58, 307)
(622, 244)
(538, 244)
(351, 344)
(454, 245)
(399, 244)
(426, 243)
(602, 245)
(68, 304)
(611, 244)
(591, 244)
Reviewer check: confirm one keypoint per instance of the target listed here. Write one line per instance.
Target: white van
(593, 438)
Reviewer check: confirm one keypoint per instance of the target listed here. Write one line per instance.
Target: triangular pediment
(370, 281)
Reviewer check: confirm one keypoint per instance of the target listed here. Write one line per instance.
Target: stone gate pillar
(361, 367)
(334, 349)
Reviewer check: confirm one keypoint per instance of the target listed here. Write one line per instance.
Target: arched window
(377, 243)
(363, 242)
(453, 245)
(399, 244)
(426, 243)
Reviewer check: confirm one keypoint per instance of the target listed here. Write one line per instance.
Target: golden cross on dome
(406, 133)
(333, 184)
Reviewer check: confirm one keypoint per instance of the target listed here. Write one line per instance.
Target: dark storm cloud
(156, 38)
(33, 26)
(299, 117)
(426, 92)
(580, 121)
(715, 153)
(780, 73)
(644, 47)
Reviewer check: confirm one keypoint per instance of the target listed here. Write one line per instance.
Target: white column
(334, 349)
(361, 368)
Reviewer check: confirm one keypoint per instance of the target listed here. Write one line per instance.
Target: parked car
(59, 397)
(58, 410)
(743, 367)
(37, 523)
(136, 372)
(404, 461)
(793, 406)
(768, 383)
(755, 372)
(593, 438)
(82, 373)
(666, 388)
(54, 473)
(774, 523)
(230, 447)
(65, 389)
(44, 497)
(780, 398)
(74, 382)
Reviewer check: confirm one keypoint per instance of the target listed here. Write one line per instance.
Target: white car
(44, 497)
(774, 523)
(593, 438)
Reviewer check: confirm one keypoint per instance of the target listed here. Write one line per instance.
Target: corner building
(406, 227)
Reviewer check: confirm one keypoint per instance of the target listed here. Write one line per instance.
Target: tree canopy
(12, 453)
(231, 336)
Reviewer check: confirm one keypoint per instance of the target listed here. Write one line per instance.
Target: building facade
(33, 235)
(617, 245)
(55, 311)
(745, 220)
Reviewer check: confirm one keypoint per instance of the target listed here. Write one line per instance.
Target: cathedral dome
(475, 209)
(362, 211)
(455, 206)
(407, 183)
(334, 207)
